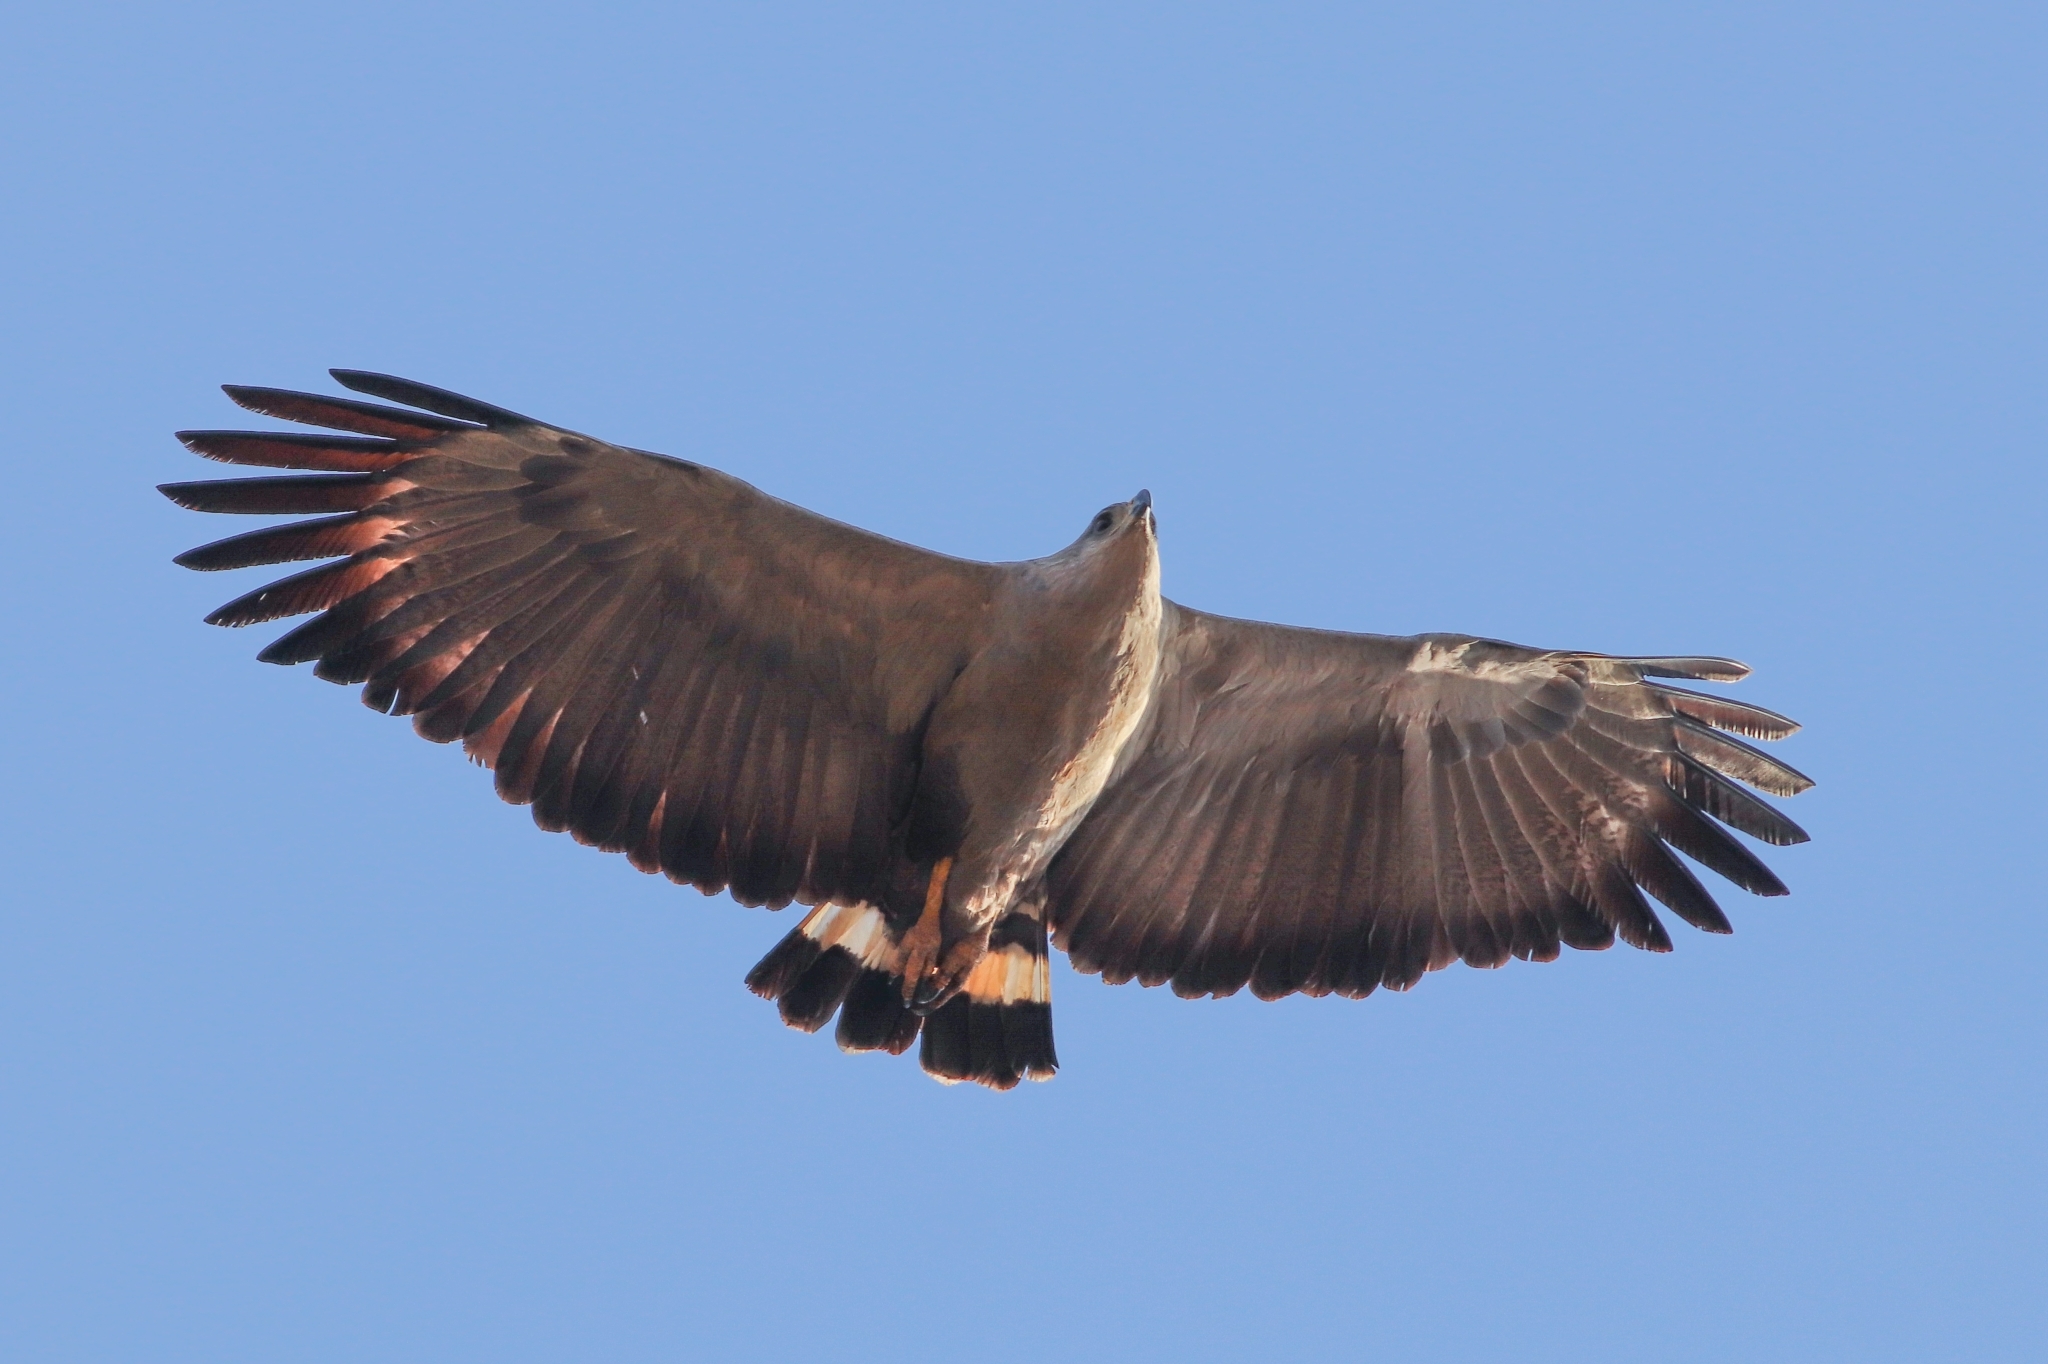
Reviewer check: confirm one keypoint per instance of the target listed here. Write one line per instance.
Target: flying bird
(958, 765)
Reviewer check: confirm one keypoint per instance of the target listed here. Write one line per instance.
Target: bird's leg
(921, 943)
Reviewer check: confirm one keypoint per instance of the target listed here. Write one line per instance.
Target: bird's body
(1007, 797)
(950, 759)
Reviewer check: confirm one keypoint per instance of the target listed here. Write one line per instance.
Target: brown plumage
(950, 758)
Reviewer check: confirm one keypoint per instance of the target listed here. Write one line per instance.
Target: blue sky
(1646, 329)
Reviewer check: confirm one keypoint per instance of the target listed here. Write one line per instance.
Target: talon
(945, 981)
(921, 943)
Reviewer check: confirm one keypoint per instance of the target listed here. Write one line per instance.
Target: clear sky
(1638, 328)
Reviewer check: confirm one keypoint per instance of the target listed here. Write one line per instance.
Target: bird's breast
(1133, 678)
(1034, 738)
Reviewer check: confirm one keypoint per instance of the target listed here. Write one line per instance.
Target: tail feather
(874, 1016)
(848, 959)
(998, 1029)
(814, 997)
(841, 958)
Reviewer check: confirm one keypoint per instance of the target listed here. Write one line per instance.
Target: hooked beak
(1142, 502)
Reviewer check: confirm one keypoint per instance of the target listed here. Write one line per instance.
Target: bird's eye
(1101, 523)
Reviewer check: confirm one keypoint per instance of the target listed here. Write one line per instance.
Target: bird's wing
(1330, 813)
(663, 660)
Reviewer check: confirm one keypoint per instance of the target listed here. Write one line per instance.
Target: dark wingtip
(394, 389)
(343, 414)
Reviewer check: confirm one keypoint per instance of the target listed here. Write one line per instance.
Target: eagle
(958, 765)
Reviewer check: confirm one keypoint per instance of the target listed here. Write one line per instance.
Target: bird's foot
(944, 980)
(921, 944)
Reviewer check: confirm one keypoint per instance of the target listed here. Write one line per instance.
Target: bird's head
(1120, 520)
(1119, 545)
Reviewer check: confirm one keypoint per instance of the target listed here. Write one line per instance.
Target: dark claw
(931, 996)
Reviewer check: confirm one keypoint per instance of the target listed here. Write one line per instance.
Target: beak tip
(1143, 501)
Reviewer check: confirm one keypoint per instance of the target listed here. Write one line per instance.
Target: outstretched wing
(1331, 813)
(663, 660)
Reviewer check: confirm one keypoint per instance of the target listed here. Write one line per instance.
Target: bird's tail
(848, 959)
(845, 959)
(998, 1029)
